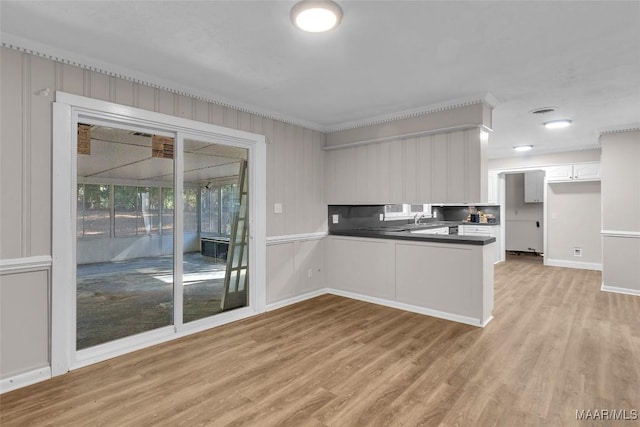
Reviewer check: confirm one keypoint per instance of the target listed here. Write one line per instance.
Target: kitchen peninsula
(404, 266)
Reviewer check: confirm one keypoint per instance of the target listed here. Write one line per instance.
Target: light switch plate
(381, 217)
(334, 219)
(277, 208)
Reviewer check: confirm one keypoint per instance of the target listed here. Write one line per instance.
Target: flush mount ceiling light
(316, 16)
(523, 147)
(557, 124)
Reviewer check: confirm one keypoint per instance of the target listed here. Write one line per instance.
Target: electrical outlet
(277, 208)
(310, 272)
(577, 251)
(334, 219)
(381, 217)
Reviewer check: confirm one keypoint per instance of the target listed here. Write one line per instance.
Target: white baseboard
(380, 301)
(22, 380)
(573, 264)
(412, 308)
(283, 303)
(626, 291)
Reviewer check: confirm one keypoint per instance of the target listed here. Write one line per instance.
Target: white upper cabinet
(587, 171)
(440, 168)
(577, 172)
(534, 187)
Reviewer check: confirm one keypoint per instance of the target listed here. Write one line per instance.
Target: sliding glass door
(124, 233)
(211, 201)
(146, 210)
(141, 263)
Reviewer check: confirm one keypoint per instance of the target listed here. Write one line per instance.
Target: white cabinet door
(586, 171)
(533, 186)
(560, 173)
(577, 172)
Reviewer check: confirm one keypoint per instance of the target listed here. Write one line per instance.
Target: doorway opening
(523, 195)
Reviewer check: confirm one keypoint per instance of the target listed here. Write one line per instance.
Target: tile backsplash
(361, 216)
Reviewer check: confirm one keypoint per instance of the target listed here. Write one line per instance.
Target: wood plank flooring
(557, 344)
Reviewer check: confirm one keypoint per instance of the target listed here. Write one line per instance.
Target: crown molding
(487, 99)
(621, 129)
(92, 64)
(31, 47)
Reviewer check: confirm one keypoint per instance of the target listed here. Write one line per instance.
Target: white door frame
(67, 110)
(501, 183)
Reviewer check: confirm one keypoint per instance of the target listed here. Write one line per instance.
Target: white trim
(573, 264)
(625, 291)
(621, 129)
(406, 135)
(27, 378)
(623, 234)
(129, 344)
(290, 238)
(67, 111)
(487, 99)
(294, 300)
(412, 308)
(20, 44)
(32, 263)
(42, 50)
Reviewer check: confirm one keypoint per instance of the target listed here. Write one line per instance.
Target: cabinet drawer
(478, 230)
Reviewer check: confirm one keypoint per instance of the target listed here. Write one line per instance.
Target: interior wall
(295, 178)
(620, 211)
(521, 230)
(574, 221)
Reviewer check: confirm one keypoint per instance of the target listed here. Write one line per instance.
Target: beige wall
(620, 210)
(295, 178)
(574, 221)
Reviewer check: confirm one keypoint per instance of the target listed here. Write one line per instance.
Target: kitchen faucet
(417, 218)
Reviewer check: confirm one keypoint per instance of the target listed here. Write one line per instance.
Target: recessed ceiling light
(557, 124)
(523, 147)
(316, 16)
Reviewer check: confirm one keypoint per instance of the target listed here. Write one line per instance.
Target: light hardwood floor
(557, 344)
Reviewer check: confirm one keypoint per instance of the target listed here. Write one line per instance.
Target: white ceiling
(386, 57)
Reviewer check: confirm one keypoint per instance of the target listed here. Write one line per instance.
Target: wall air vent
(543, 110)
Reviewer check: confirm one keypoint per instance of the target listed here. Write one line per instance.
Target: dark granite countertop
(404, 233)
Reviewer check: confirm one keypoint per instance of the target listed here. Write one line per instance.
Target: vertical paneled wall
(294, 164)
(295, 174)
(442, 168)
(620, 211)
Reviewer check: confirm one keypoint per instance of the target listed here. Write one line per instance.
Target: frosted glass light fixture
(316, 16)
(523, 147)
(557, 124)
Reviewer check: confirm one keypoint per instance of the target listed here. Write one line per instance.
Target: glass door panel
(124, 233)
(210, 209)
